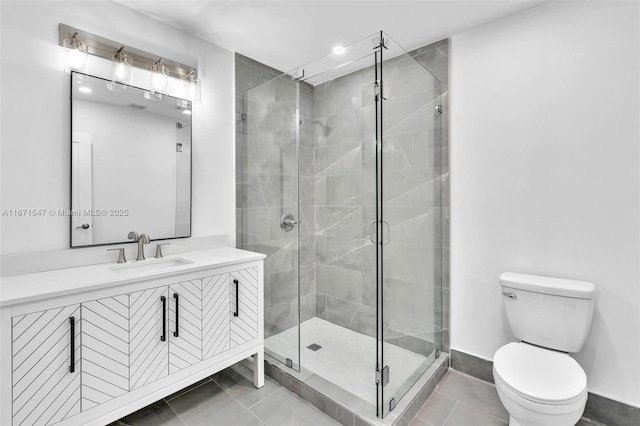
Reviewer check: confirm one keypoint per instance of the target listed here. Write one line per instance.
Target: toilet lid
(540, 375)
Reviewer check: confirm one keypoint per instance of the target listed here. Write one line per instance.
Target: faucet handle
(121, 258)
(159, 249)
(132, 236)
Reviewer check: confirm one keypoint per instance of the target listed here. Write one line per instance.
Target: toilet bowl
(539, 387)
(537, 381)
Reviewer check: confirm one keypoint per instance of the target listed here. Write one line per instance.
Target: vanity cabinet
(107, 355)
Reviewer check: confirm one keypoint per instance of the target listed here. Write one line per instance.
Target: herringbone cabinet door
(215, 315)
(244, 326)
(45, 391)
(105, 350)
(185, 335)
(149, 355)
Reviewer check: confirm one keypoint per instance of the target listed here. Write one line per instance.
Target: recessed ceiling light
(339, 50)
(84, 89)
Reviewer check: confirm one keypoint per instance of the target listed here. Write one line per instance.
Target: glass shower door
(409, 222)
(268, 169)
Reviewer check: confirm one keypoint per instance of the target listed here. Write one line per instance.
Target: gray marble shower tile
(307, 249)
(343, 252)
(417, 264)
(321, 306)
(350, 126)
(421, 226)
(306, 221)
(343, 222)
(412, 188)
(277, 319)
(307, 307)
(340, 283)
(307, 191)
(254, 225)
(283, 287)
(353, 316)
(344, 159)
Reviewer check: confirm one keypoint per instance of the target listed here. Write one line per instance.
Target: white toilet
(536, 379)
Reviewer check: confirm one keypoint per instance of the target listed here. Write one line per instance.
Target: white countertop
(43, 285)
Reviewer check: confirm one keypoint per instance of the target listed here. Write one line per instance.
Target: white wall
(545, 175)
(35, 145)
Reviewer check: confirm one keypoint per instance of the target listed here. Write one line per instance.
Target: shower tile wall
(267, 187)
(337, 199)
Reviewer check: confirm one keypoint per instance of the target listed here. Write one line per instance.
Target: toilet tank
(550, 312)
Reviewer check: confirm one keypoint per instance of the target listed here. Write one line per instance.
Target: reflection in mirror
(130, 163)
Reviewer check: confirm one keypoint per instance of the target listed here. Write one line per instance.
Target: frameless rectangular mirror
(130, 163)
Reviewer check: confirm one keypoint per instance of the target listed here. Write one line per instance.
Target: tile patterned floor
(461, 400)
(228, 398)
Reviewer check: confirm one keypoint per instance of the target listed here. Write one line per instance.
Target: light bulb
(120, 71)
(121, 68)
(159, 79)
(77, 53)
(76, 59)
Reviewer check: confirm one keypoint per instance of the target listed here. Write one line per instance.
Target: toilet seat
(541, 376)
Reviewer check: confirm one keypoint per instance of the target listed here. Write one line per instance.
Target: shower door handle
(384, 241)
(388, 239)
(373, 222)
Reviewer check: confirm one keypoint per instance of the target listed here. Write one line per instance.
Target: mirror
(130, 163)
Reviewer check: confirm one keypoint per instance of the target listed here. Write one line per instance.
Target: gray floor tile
(475, 392)
(417, 422)
(187, 389)
(156, 414)
(237, 381)
(437, 408)
(209, 404)
(466, 415)
(283, 408)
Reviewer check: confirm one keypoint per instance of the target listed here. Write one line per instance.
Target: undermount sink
(149, 265)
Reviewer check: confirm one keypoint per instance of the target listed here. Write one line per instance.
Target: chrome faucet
(142, 239)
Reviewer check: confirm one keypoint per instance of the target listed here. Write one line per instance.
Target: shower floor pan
(339, 377)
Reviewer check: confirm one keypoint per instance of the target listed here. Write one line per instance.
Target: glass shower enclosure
(339, 168)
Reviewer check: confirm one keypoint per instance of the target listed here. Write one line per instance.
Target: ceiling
(287, 34)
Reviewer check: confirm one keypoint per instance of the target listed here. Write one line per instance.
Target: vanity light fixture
(193, 86)
(159, 80)
(77, 53)
(121, 67)
(166, 76)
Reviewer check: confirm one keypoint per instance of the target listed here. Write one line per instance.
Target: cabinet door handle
(175, 296)
(235, 314)
(164, 318)
(72, 329)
